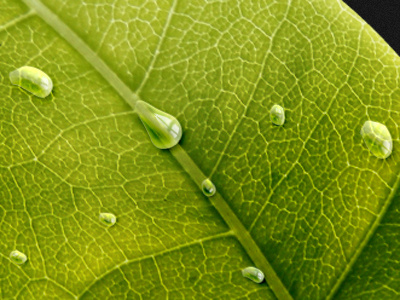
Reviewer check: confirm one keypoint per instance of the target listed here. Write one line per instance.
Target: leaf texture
(321, 209)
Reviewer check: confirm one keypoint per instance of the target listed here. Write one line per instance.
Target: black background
(383, 16)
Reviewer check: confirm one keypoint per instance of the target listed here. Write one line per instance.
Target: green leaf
(305, 202)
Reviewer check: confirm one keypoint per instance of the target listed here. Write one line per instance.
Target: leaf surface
(311, 198)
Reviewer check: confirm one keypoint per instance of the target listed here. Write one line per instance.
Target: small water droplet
(208, 187)
(377, 138)
(253, 274)
(33, 80)
(108, 218)
(277, 115)
(18, 257)
(164, 130)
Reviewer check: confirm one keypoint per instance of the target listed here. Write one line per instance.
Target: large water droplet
(377, 138)
(18, 257)
(253, 274)
(108, 218)
(164, 130)
(33, 80)
(208, 187)
(277, 115)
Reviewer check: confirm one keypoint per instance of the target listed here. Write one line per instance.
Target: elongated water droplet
(18, 257)
(164, 130)
(377, 138)
(253, 274)
(108, 218)
(208, 187)
(277, 115)
(33, 80)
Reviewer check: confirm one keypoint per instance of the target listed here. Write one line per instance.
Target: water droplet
(164, 130)
(277, 115)
(18, 257)
(108, 219)
(253, 274)
(208, 187)
(377, 138)
(33, 80)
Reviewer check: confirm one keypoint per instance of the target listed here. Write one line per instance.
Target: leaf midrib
(183, 158)
(235, 224)
(179, 153)
(76, 42)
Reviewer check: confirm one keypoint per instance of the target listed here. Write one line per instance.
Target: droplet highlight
(164, 130)
(253, 274)
(208, 187)
(277, 115)
(33, 80)
(18, 257)
(377, 138)
(108, 219)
